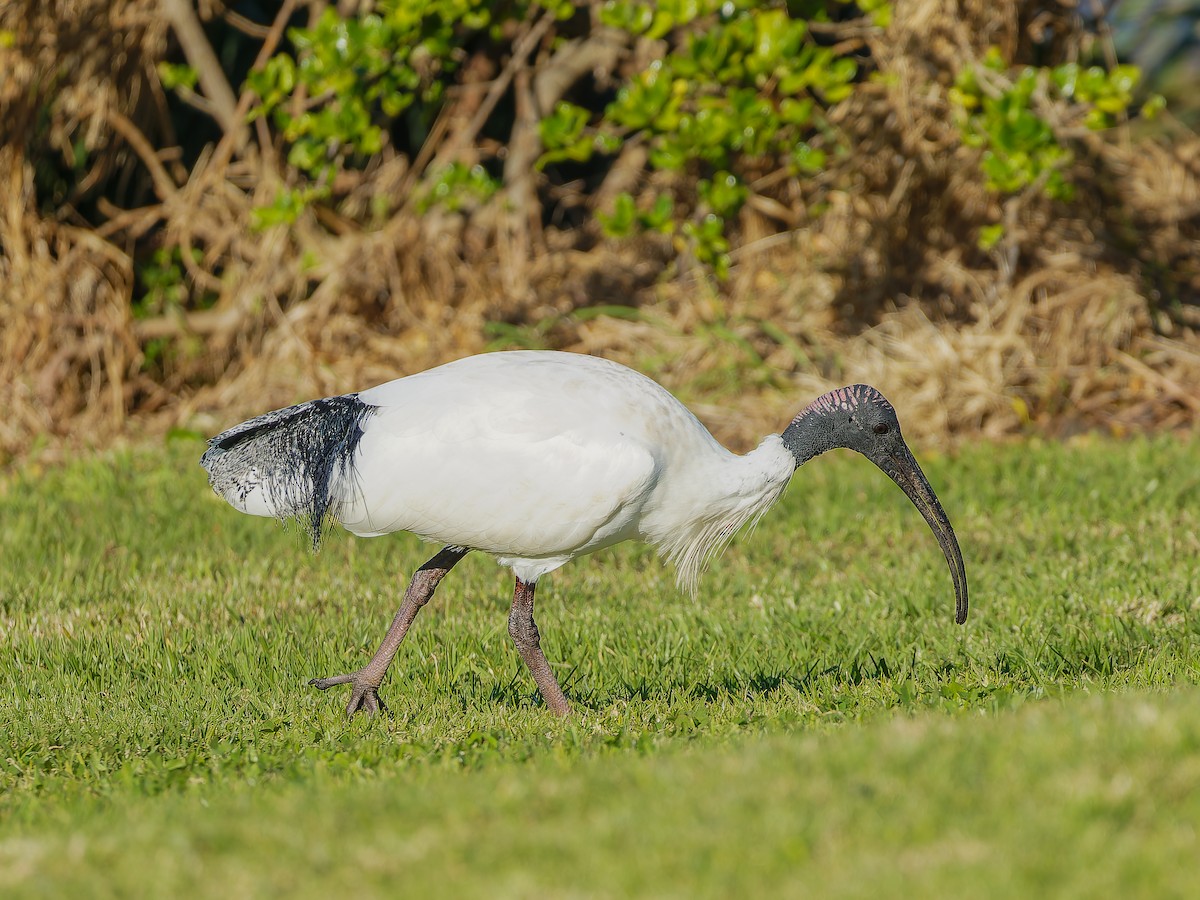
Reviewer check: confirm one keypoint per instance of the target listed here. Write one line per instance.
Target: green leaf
(807, 159)
(1125, 78)
(176, 76)
(724, 194)
(990, 235)
(668, 156)
(660, 215)
(563, 126)
(306, 154)
(620, 223)
(796, 112)
(1152, 107)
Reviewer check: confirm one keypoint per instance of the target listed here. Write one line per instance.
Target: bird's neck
(809, 434)
(703, 504)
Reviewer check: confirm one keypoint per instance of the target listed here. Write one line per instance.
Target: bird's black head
(859, 418)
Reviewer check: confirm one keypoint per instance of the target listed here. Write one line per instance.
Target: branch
(1166, 385)
(535, 96)
(200, 56)
(208, 321)
(599, 51)
(623, 176)
(231, 140)
(524, 46)
(164, 186)
(244, 25)
(524, 145)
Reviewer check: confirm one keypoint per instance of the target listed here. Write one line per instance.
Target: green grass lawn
(812, 723)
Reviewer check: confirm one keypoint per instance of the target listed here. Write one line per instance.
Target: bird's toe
(364, 695)
(324, 684)
(365, 699)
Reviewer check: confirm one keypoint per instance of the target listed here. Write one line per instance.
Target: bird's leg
(366, 681)
(529, 644)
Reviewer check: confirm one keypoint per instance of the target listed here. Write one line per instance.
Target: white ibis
(537, 458)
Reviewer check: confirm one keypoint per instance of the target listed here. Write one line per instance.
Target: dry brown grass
(1085, 316)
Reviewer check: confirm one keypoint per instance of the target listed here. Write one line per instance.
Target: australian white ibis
(537, 458)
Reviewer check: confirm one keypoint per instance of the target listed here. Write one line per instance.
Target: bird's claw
(364, 695)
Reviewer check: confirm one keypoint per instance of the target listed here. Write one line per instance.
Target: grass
(812, 721)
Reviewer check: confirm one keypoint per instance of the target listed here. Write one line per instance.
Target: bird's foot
(364, 694)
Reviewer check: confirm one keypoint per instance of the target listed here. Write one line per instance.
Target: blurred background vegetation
(989, 209)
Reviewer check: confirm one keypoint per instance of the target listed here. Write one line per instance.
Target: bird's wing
(486, 457)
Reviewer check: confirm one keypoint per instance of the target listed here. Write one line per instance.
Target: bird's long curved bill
(902, 468)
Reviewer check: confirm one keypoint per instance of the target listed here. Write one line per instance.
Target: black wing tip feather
(251, 428)
(297, 452)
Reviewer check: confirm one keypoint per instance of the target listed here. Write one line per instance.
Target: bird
(536, 457)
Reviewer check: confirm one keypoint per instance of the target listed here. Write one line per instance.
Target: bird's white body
(539, 457)
(536, 458)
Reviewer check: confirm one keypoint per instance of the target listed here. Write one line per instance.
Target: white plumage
(535, 458)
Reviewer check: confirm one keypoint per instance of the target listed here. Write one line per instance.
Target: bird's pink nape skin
(846, 399)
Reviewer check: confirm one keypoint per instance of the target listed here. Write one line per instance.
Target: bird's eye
(881, 428)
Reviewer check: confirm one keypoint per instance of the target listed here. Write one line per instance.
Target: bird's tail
(293, 463)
